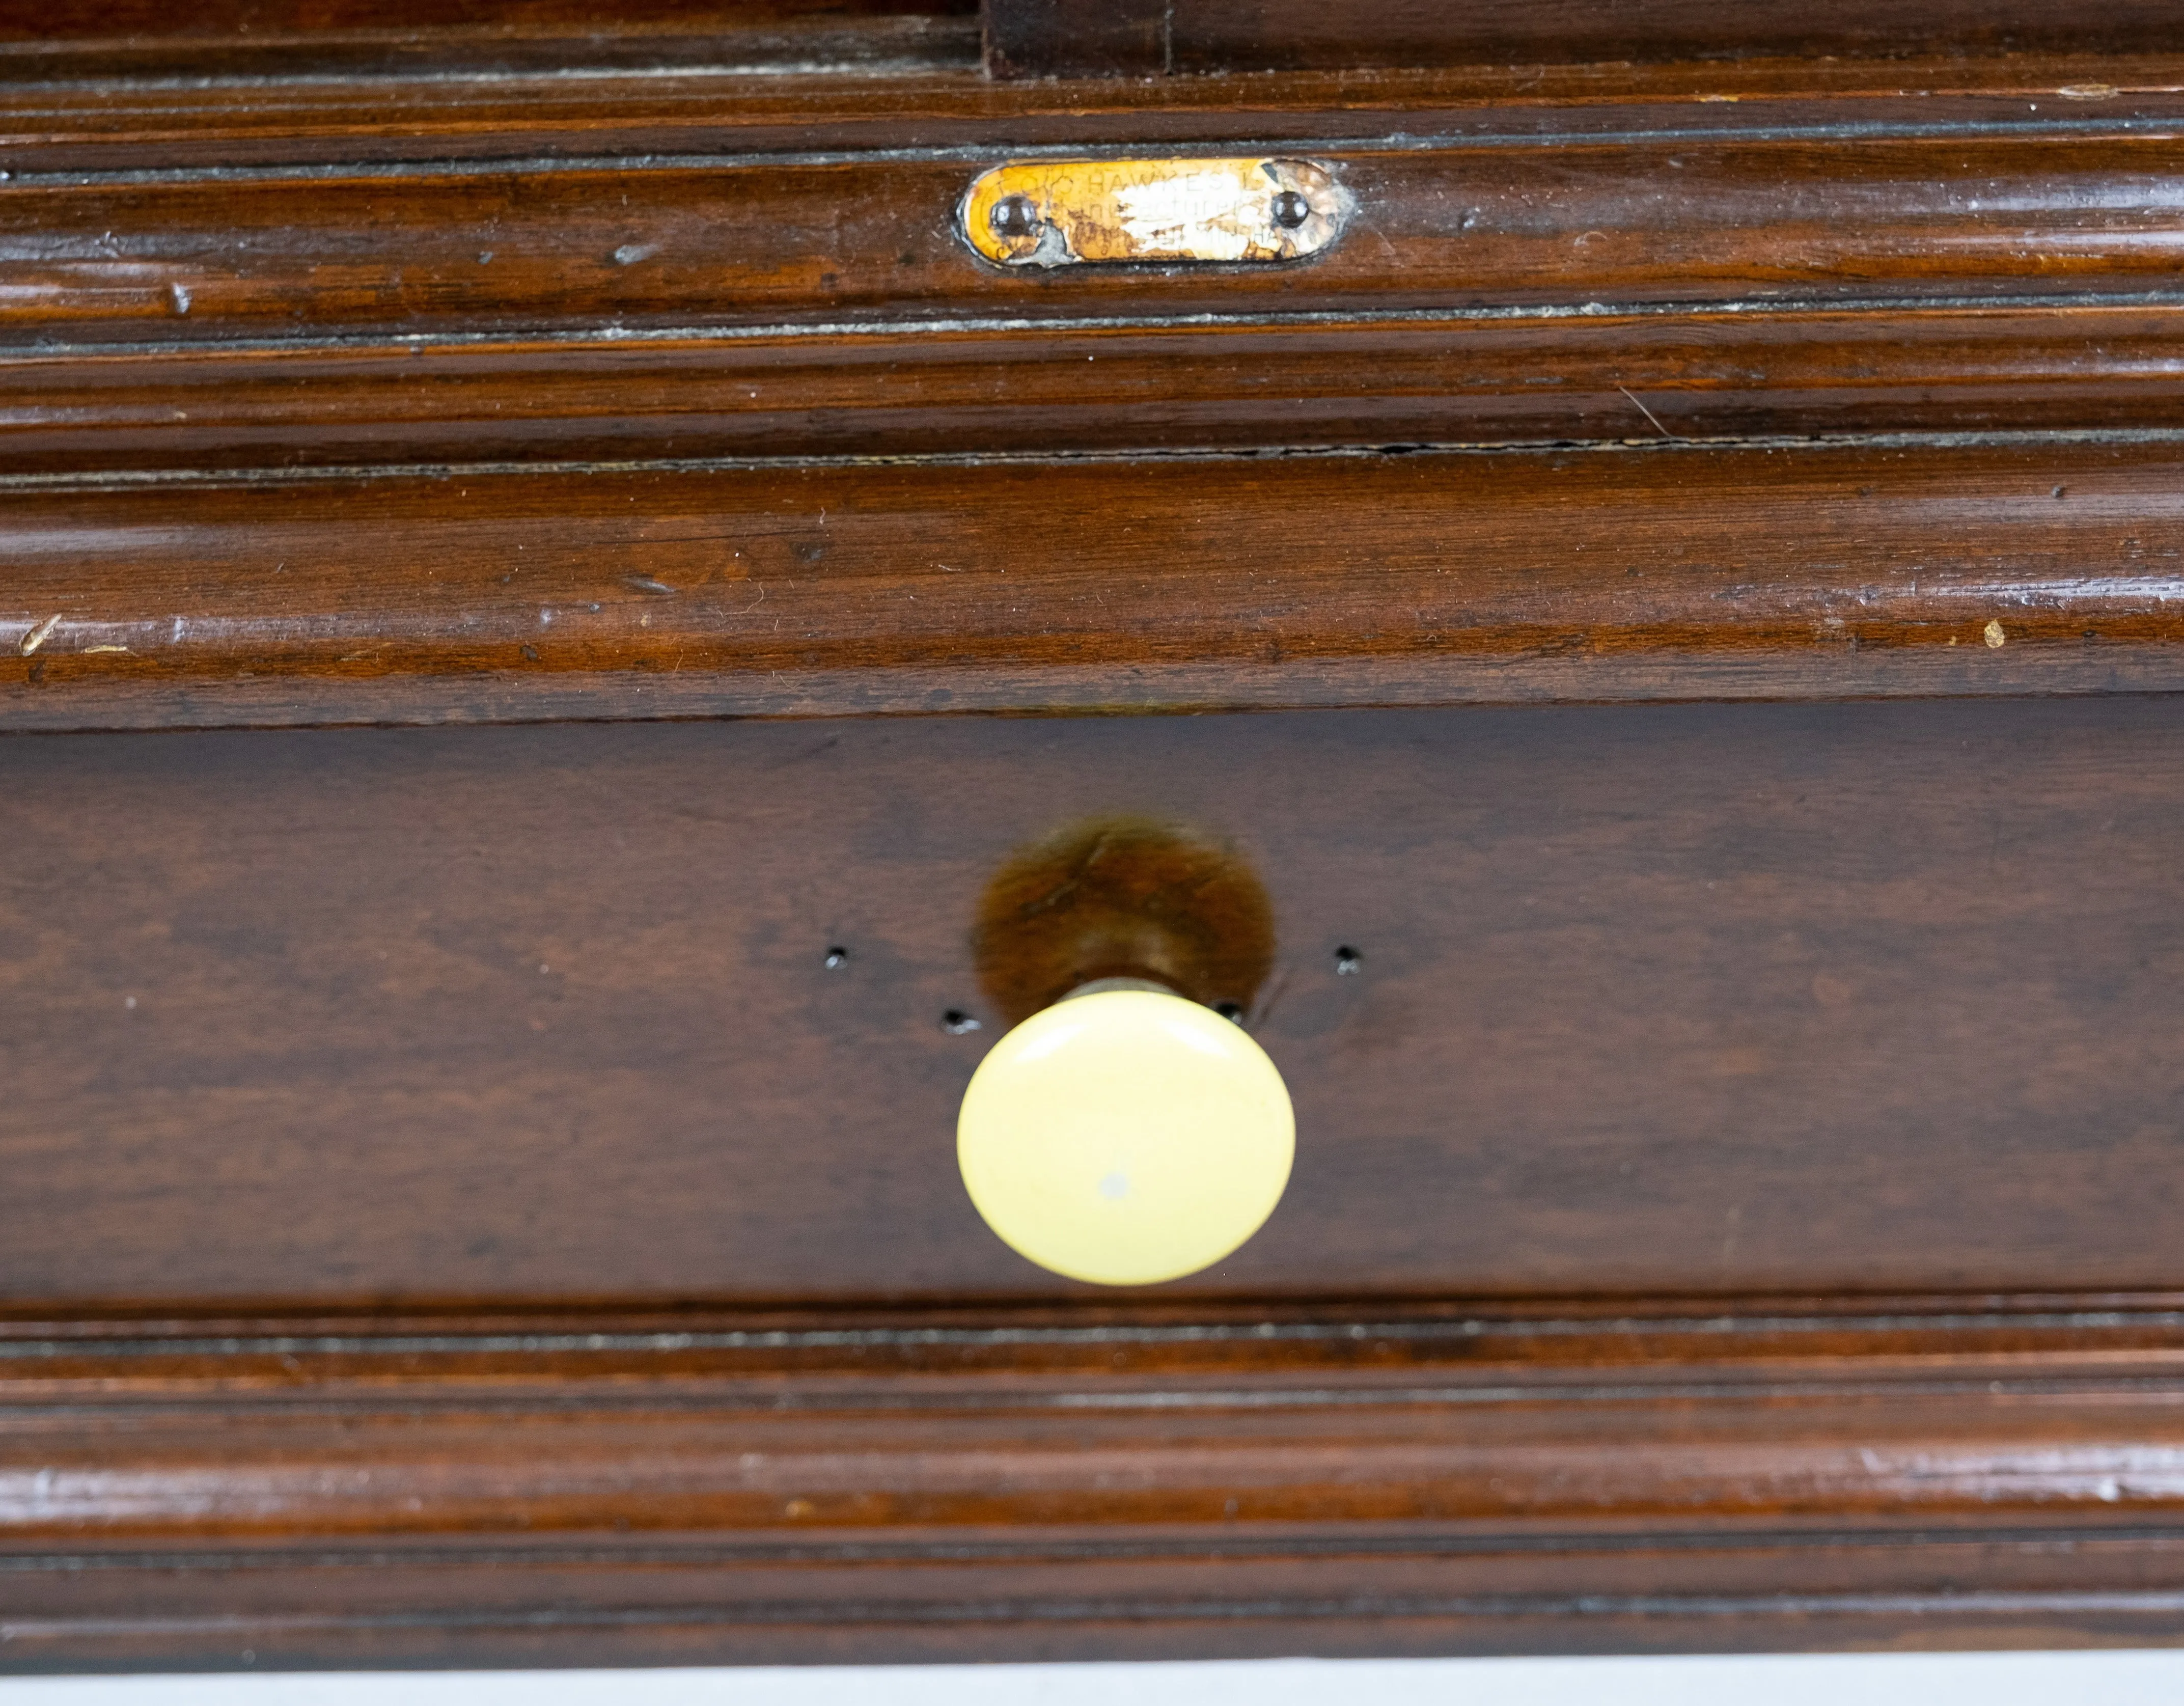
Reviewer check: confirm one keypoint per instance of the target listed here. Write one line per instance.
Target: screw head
(1013, 216)
(1290, 209)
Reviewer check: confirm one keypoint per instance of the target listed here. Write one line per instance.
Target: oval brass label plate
(1070, 212)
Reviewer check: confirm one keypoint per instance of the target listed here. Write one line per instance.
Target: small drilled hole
(1229, 1010)
(1348, 962)
(957, 1022)
(837, 958)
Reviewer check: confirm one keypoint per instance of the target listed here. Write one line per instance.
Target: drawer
(488, 1194)
(1676, 999)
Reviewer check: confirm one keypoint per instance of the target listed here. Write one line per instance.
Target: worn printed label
(1069, 212)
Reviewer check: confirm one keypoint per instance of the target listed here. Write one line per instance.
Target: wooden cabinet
(545, 578)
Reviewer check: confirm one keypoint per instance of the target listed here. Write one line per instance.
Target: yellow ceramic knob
(1126, 1135)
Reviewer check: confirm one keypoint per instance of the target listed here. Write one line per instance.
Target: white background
(1977, 1679)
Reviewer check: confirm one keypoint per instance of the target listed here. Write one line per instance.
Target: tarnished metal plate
(1067, 213)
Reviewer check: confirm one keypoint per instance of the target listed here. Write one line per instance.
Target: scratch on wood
(1647, 413)
(38, 635)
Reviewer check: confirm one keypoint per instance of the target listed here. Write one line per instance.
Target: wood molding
(1625, 1476)
(453, 269)
(166, 123)
(1401, 380)
(1652, 571)
(616, 318)
(110, 40)
(1882, 211)
(1042, 38)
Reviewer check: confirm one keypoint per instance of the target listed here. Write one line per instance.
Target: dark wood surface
(1818, 998)
(162, 124)
(456, 1214)
(1254, 383)
(42, 40)
(1137, 38)
(692, 1489)
(665, 243)
(466, 268)
(682, 244)
(1653, 570)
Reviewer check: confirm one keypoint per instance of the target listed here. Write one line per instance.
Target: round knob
(1125, 1135)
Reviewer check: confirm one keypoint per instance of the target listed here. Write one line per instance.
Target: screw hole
(1348, 962)
(837, 958)
(957, 1022)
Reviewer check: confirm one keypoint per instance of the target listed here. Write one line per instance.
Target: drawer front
(1670, 999)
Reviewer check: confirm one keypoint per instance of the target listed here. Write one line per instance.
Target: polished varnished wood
(1140, 38)
(230, 1494)
(164, 124)
(1654, 570)
(1401, 381)
(1660, 999)
(486, 1194)
(1036, 38)
(131, 39)
(675, 243)
(471, 267)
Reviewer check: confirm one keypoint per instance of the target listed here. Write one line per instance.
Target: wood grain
(1669, 1000)
(485, 1195)
(609, 268)
(310, 1493)
(1033, 38)
(675, 243)
(1664, 571)
(106, 40)
(167, 124)
(1249, 382)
